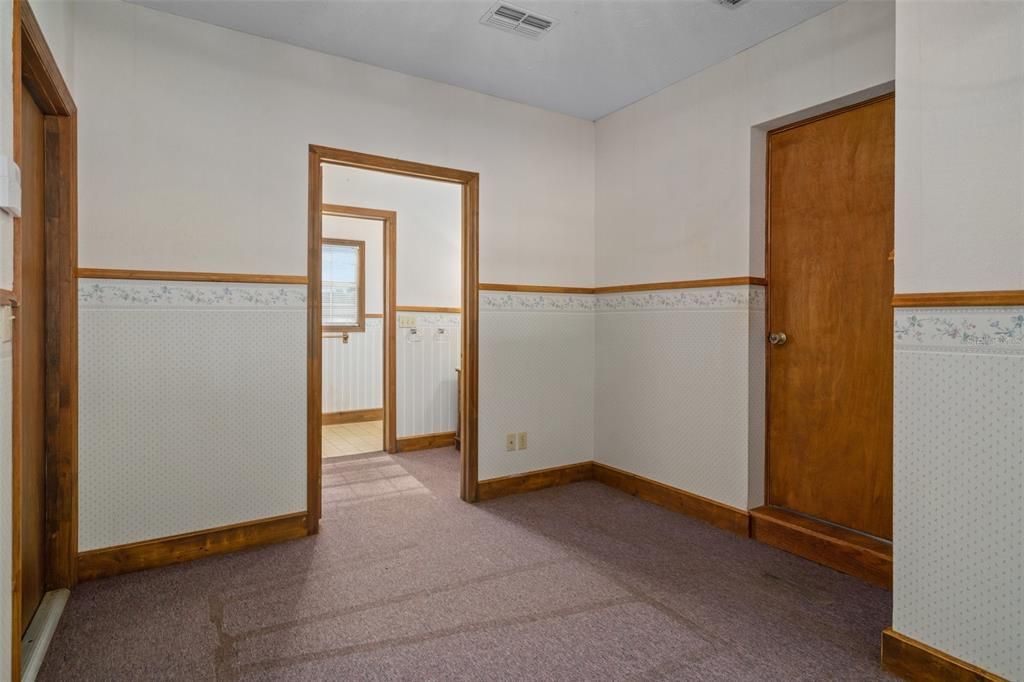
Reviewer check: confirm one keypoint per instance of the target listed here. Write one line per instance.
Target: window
(342, 298)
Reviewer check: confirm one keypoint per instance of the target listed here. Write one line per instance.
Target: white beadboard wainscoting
(192, 407)
(426, 383)
(353, 372)
(958, 521)
(680, 389)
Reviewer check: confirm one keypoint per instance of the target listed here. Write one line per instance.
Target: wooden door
(31, 322)
(830, 286)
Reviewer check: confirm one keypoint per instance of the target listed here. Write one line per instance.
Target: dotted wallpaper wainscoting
(354, 372)
(680, 389)
(959, 483)
(192, 407)
(536, 375)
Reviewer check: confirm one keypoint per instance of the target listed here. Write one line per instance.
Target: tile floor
(340, 440)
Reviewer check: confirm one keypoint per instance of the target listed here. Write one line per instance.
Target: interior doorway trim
(35, 66)
(470, 183)
(390, 228)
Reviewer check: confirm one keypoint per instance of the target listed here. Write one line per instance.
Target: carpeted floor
(406, 582)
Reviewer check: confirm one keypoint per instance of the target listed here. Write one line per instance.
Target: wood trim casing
(710, 511)
(353, 416)
(536, 288)
(182, 276)
(914, 660)
(428, 441)
(959, 299)
(684, 284)
(844, 550)
(535, 480)
(138, 556)
(35, 67)
(318, 156)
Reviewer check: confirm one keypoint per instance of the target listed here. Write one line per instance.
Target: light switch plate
(522, 440)
(406, 321)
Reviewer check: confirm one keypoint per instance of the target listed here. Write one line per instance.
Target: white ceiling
(600, 57)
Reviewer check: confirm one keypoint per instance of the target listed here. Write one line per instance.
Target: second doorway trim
(390, 227)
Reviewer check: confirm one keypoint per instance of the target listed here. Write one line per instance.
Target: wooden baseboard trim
(535, 480)
(914, 660)
(138, 556)
(959, 299)
(374, 414)
(180, 276)
(844, 550)
(427, 441)
(710, 511)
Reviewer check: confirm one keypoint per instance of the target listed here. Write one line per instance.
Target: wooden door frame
(470, 183)
(390, 233)
(35, 65)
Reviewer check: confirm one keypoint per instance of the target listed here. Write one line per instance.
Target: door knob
(777, 338)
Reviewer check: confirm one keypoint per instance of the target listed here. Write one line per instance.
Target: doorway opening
(442, 326)
(357, 274)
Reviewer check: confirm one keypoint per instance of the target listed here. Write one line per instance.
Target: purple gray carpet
(406, 582)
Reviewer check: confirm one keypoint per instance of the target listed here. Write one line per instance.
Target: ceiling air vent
(517, 20)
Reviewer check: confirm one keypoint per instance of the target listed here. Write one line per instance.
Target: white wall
(958, 524)
(193, 146)
(679, 196)
(192, 135)
(960, 146)
(429, 229)
(673, 170)
(56, 20)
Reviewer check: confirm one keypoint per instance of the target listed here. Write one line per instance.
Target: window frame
(360, 325)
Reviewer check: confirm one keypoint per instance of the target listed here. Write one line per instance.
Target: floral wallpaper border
(710, 298)
(165, 294)
(536, 303)
(981, 330)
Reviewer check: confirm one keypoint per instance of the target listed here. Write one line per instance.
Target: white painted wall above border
(674, 170)
(959, 146)
(193, 147)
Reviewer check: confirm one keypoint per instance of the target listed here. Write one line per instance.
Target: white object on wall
(10, 186)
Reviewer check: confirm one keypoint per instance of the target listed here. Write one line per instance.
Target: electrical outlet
(510, 442)
(522, 440)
